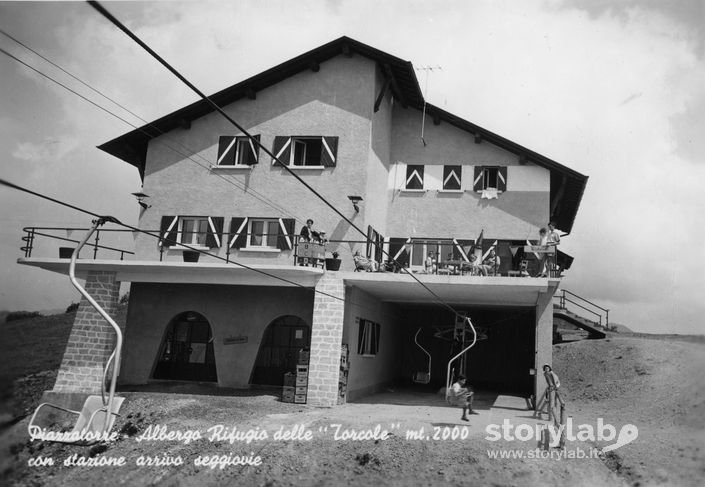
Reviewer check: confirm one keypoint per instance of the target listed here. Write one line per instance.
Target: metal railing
(564, 296)
(31, 233)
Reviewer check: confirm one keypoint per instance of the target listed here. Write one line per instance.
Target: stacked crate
(343, 377)
(289, 389)
(302, 377)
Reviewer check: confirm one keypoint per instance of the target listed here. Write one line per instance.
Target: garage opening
(279, 350)
(186, 352)
(500, 361)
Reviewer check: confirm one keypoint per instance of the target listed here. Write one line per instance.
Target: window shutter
(414, 176)
(451, 177)
(371, 237)
(477, 178)
(379, 251)
(285, 240)
(282, 149)
(461, 248)
(253, 153)
(329, 154)
(215, 232)
(238, 232)
(168, 231)
(502, 178)
(227, 145)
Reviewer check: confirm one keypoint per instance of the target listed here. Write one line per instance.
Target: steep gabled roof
(567, 186)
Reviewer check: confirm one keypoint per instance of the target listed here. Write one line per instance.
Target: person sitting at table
(474, 268)
(430, 264)
(491, 263)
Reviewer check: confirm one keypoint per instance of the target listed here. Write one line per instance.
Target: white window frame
(265, 235)
(485, 173)
(180, 232)
(301, 141)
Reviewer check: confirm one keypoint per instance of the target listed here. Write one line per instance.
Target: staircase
(567, 298)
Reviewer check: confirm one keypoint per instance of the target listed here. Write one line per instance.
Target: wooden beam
(251, 94)
(184, 123)
(382, 92)
(478, 138)
(347, 51)
(436, 119)
(314, 66)
(523, 159)
(395, 87)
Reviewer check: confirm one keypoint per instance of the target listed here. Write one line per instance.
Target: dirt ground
(656, 385)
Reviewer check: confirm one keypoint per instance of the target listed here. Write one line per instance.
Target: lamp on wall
(140, 199)
(355, 200)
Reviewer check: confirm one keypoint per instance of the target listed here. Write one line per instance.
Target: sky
(612, 89)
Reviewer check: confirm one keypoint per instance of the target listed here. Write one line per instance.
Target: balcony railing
(31, 234)
(412, 254)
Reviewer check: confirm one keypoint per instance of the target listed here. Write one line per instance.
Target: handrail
(586, 309)
(563, 299)
(586, 300)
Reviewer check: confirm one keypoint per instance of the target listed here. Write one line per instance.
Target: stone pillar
(326, 339)
(92, 339)
(544, 340)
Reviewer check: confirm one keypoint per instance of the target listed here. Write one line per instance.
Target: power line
(97, 6)
(238, 185)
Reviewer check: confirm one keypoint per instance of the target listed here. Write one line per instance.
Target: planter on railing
(191, 255)
(333, 264)
(65, 252)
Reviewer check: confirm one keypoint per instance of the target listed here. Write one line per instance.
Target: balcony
(394, 279)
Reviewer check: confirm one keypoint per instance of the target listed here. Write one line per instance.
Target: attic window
(306, 151)
(237, 151)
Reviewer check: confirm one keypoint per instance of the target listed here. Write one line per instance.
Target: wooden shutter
(285, 240)
(214, 232)
(451, 177)
(282, 149)
(477, 183)
(502, 178)
(253, 152)
(238, 232)
(168, 231)
(227, 146)
(379, 251)
(371, 237)
(414, 176)
(461, 249)
(329, 151)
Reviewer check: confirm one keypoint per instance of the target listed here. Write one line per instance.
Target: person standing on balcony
(430, 264)
(307, 232)
(553, 240)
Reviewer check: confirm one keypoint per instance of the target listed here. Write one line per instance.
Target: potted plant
(334, 263)
(191, 255)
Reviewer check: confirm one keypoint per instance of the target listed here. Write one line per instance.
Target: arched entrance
(279, 350)
(186, 352)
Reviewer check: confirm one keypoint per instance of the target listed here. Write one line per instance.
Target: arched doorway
(279, 350)
(186, 352)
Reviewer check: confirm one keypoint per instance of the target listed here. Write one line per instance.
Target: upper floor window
(414, 177)
(452, 178)
(198, 231)
(306, 151)
(263, 233)
(490, 178)
(237, 151)
(192, 231)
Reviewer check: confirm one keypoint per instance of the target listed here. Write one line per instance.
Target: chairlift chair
(422, 377)
(98, 413)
